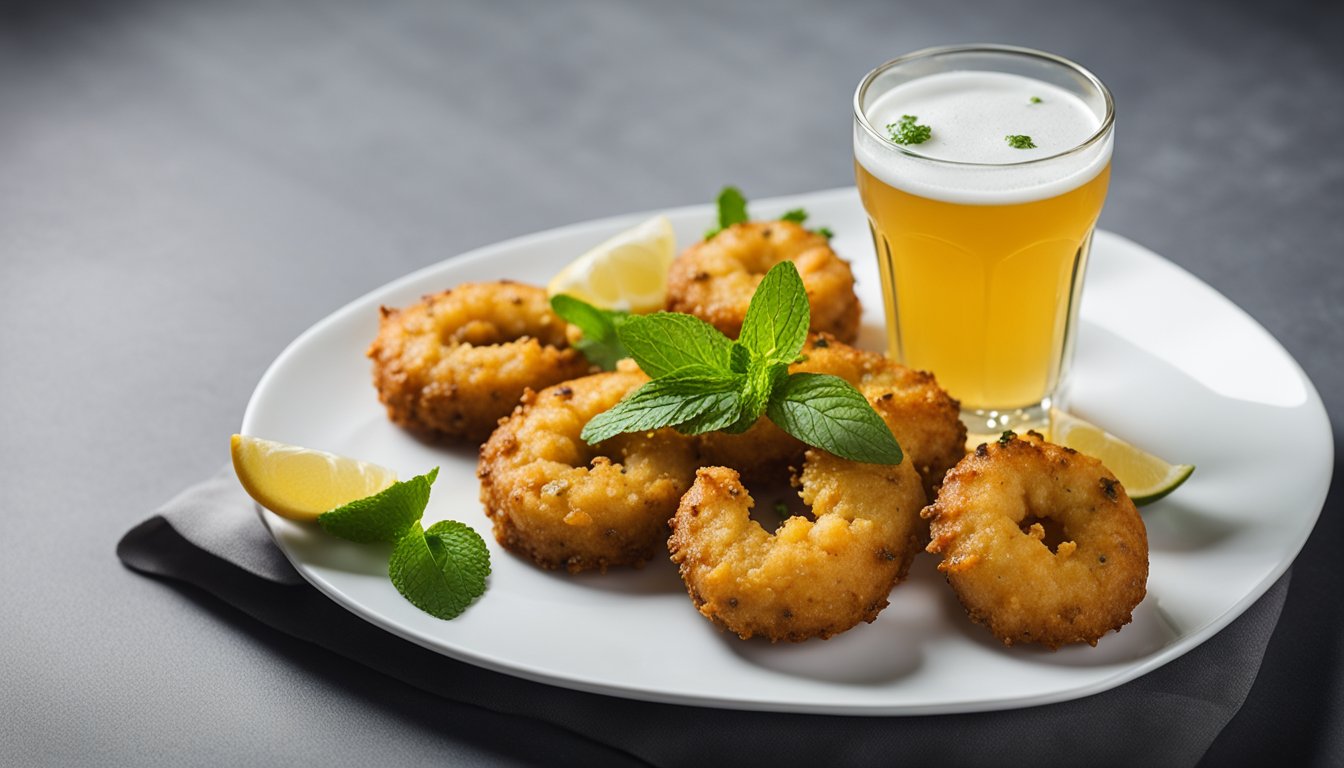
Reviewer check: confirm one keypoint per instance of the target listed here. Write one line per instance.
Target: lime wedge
(1146, 478)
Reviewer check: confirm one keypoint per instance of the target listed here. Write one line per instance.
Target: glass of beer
(983, 170)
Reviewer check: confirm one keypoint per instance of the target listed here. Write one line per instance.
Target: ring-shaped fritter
(989, 523)
(811, 577)
(455, 363)
(565, 504)
(715, 279)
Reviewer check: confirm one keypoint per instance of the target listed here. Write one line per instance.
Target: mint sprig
(702, 381)
(442, 570)
(733, 210)
(599, 343)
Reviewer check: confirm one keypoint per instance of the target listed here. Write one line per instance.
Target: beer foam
(970, 114)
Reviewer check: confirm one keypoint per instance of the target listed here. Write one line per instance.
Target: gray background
(184, 187)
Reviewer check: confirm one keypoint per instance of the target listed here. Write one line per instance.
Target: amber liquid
(984, 296)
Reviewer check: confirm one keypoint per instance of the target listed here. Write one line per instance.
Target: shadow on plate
(313, 547)
(459, 452)
(869, 654)
(1177, 527)
(656, 577)
(1147, 632)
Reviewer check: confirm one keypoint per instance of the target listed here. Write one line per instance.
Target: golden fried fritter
(925, 420)
(715, 279)
(456, 362)
(763, 452)
(811, 578)
(566, 504)
(990, 524)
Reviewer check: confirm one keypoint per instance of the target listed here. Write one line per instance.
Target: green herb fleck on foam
(1018, 141)
(703, 381)
(907, 131)
(1035, 99)
(441, 570)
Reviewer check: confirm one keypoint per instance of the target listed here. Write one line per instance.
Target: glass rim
(1107, 122)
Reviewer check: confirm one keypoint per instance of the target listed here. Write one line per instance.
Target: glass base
(984, 425)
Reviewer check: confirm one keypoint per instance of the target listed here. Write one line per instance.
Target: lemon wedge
(1146, 478)
(627, 272)
(300, 483)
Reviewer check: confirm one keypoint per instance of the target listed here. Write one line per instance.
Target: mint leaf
(665, 402)
(600, 343)
(441, 570)
(732, 210)
(759, 383)
(775, 327)
(1019, 141)
(740, 359)
(827, 412)
(722, 410)
(762, 381)
(664, 343)
(384, 516)
(732, 207)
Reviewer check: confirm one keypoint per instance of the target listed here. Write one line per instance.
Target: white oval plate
(1163, 360)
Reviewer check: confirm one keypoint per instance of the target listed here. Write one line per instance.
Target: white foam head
(967, 158)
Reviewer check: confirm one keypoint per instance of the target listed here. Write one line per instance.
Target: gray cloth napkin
(210, 536)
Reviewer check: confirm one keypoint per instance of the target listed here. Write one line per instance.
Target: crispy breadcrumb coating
(565, 504)
(456, 362)
(811, 577)
(715, 279)
(989, 524)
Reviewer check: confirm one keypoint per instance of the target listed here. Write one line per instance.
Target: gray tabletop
(184, 187)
